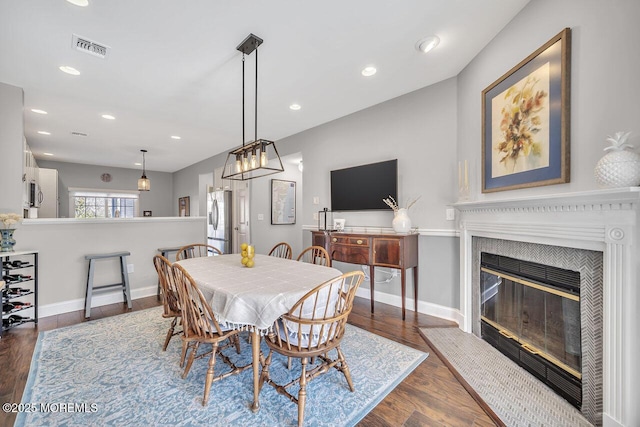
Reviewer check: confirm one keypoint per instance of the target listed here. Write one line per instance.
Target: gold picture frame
(526, 121)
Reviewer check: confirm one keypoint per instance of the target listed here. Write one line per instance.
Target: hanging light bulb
(238, 163)
(263, 155)
(254, 159)
(245, 162)
(144, 184)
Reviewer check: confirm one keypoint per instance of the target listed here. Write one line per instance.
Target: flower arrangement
(8, 219)
(521, 122)
(391, 202)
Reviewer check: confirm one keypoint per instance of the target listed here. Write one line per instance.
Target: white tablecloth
(254, 297)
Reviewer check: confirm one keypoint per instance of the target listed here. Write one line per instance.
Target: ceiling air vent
(78, 134)
(85, 45)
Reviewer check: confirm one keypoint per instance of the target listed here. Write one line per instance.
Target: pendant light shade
(259, 157)
(144, 184)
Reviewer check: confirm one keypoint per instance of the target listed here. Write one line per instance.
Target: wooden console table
(375, 250)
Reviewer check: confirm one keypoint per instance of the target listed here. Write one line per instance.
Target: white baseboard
(96, 301)
(428, 308)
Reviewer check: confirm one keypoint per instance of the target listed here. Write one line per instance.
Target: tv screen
(362, 188)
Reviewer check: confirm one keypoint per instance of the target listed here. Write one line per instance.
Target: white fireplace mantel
(600, 220)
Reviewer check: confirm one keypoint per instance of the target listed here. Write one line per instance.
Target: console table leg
(415, 288)
(403, 276)
(372, 282)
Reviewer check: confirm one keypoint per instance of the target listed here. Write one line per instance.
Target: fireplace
(531, 313)
(572, 231)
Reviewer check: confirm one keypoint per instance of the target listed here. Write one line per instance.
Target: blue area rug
(113, 372)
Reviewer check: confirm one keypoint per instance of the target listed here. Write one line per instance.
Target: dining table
(253, 298)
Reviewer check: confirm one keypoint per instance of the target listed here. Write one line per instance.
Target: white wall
(158, 200)
(63, 244)
(604, 81)
(11, 151)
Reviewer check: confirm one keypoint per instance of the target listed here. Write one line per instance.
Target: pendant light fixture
(143, 183)
(259, 157)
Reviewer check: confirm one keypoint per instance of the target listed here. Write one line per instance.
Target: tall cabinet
(19, 288)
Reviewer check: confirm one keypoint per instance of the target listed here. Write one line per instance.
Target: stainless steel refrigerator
(219, 219)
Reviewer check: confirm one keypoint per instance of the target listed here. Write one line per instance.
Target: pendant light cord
(256, 101)
(243, 138)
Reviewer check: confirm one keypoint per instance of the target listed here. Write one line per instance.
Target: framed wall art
(525, 121)
(183, 206)
(283, 202)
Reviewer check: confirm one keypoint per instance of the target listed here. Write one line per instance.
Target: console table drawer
(350, 254)
(348, 240)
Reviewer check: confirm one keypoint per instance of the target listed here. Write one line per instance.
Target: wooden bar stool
(165, 253)
(124, 284)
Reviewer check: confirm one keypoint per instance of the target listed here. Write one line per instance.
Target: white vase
(618, 169)
(401, 222)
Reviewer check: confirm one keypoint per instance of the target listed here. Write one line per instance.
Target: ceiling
(173, 68)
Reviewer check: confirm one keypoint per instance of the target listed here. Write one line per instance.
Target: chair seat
(295, 339)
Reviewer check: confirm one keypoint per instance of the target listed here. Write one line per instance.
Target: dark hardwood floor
(429, 396)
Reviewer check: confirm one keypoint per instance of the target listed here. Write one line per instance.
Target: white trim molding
(601, 220)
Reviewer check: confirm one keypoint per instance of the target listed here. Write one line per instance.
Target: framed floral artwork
(525, 121)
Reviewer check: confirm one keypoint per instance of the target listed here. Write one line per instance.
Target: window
(88, 203)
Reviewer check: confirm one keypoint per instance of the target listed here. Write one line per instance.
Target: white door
(241, 216)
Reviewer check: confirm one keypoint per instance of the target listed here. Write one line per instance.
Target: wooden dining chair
(200, 326)
(197, 250)
(315, 255)
(312, 328)
(170, 299)
(281, 250)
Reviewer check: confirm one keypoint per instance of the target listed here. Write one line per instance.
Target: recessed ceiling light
(44, 132)
(81, 3)
(35, 110)
(369, 71)
(176, 137)
(69, 70)
(427, 43)
(295, 107)
(108, 117)
(47, 154)
(137, 164)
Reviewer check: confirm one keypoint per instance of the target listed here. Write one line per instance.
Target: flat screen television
(362, 188)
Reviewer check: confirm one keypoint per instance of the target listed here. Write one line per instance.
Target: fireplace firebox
(531, 313)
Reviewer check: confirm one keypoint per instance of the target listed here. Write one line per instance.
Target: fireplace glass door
(542, 319)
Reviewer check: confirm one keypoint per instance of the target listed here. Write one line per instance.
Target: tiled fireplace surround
(605, 221)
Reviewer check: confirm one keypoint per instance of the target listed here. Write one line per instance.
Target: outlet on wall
(450, 214)
(316, 200)
(129, 268)
(260, 217)
(315, 216)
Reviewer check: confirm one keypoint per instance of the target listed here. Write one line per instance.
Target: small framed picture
(146, 213)
(183, 206)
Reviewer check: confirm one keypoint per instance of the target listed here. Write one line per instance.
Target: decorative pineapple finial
(620, 167)
(618, 141)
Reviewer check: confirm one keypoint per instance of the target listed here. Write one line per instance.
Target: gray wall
(186, 181)
(11, 152)
(263, 234)
(158, 200)
(419, 129)
(604, 81)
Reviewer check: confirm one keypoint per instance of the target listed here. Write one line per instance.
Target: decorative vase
(401, 222)
(7, 243)
(620, 167)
